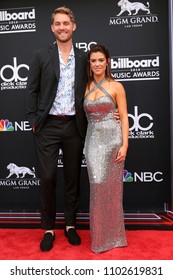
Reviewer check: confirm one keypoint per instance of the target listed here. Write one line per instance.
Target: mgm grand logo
(20, 177)
(133, 14)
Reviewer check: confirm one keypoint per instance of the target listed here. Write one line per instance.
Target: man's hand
(117, 115)
(33, 128)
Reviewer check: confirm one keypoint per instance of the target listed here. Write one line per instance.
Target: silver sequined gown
(104, 137)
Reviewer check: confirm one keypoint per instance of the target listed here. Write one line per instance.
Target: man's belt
(62, 117)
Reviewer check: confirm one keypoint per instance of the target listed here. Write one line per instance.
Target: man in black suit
(54, 106)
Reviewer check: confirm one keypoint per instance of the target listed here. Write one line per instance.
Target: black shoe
(47, 242)
(73, 237)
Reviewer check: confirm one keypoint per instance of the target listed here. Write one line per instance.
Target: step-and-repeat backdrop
(137, 36)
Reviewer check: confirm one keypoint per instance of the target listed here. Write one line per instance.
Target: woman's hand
(121, 156)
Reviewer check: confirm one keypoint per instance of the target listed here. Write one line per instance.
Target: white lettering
(7, 16)
(129, 63)
(148, 176)
(15, 71)
(136, 120)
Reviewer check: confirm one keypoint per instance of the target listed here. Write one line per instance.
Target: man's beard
(65, 40)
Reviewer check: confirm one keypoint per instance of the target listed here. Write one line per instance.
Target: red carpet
(23, 244)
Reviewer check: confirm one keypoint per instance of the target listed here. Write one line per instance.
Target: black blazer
(42, 86)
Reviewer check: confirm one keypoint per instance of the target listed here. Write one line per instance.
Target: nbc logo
(127, 176)
(5, 125)
(145, 177)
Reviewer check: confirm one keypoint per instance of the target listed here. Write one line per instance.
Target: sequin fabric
(103, 139)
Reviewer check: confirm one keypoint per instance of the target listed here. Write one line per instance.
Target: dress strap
(97, 85)
(101, 88)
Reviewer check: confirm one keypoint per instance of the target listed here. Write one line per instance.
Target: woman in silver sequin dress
(105, 151)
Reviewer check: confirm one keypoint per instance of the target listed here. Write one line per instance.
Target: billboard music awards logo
(19, 177)
(135, 68)
(130, 14)
(14, 75)
(17, 20)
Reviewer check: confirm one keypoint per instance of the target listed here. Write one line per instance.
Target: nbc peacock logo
(127, 177)
(6, 125)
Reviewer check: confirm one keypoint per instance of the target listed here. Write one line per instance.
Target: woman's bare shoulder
(117, 86)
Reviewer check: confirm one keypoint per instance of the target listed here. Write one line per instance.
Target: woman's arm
(120, 96)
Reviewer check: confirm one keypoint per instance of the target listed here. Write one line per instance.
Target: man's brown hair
(63, 10)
